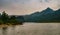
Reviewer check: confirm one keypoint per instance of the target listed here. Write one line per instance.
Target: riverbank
(7, 25)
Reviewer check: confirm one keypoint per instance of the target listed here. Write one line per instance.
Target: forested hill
(47, 15)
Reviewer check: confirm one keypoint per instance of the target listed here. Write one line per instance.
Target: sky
(24, 7)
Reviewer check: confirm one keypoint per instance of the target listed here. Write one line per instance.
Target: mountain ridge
(47, 15)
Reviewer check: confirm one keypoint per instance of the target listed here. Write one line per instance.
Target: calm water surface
(32, 29)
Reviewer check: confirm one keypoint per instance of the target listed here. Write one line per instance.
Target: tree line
(6, 19)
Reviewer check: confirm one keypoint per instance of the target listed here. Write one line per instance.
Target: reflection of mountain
(47, 15)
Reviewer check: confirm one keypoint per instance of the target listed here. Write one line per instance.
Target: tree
(20, 19)
(4, 17)
(13, 20)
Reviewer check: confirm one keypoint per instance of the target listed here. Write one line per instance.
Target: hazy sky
(22, 7)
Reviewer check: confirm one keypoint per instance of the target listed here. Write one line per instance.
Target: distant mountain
(47, 15)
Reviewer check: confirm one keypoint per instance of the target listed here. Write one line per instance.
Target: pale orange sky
(23, 7)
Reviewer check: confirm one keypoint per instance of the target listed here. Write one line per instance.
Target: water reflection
(4, 30)
(32, 29)
(0, 31)
(11, 30)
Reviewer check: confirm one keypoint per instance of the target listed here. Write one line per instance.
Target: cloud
(5, 3)
(59, 3)
(27, 6)
(8, 3)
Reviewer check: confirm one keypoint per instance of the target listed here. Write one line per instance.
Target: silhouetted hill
(47, 15)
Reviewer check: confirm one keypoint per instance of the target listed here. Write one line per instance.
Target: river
(32, 29)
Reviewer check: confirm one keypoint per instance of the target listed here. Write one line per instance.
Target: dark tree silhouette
(4, 17)
(20, 19)
(13, 20)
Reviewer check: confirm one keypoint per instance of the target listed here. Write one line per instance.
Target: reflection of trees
(4, 30)
(13, 30)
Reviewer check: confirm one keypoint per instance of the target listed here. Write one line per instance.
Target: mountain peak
(49, 9)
